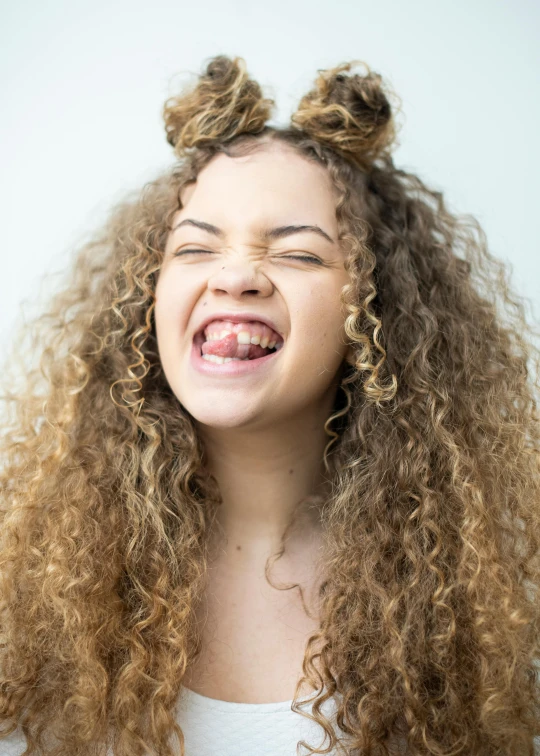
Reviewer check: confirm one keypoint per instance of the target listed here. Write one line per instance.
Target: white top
(223, 728)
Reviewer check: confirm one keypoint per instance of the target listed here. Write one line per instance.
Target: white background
(83, 86)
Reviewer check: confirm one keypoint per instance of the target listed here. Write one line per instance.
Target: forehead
(274, 183)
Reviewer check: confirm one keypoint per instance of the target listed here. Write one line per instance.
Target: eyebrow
(266, 234)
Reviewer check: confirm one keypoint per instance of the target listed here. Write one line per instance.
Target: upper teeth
(257, 334)
(243, 337)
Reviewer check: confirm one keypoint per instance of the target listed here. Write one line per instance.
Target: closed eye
(307, 258)
(194, 251)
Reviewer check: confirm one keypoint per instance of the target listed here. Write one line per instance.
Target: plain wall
(83, 86)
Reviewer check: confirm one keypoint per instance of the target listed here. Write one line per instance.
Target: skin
(263, 433)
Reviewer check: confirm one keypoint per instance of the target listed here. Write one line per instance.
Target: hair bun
(352, 114)
(224, 102)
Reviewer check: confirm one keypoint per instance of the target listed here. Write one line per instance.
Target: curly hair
(429, 606)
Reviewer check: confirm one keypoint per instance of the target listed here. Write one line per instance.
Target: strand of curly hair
(429, 608)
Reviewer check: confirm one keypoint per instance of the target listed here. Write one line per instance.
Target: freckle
(291, 471)
(238, 548)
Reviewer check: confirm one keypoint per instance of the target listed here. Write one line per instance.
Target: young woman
(274, 484)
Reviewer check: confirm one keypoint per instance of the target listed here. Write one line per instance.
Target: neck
(267, 479)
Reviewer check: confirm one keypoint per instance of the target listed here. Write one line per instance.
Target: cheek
(319, 328)
(171, 313)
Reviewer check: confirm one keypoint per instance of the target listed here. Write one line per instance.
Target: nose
(237, 278)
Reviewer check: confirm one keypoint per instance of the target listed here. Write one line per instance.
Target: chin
(226, 418)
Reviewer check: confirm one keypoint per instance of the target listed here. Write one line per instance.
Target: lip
(238, 317)
(233, 368)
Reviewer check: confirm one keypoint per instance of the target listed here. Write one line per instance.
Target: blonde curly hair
(429, 607)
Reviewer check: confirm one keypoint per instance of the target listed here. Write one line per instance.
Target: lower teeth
(221, 360)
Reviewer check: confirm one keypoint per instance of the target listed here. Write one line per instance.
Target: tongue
(229, 347)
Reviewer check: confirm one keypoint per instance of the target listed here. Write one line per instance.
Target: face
(294, 280)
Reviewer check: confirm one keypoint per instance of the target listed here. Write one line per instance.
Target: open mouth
(229, 349)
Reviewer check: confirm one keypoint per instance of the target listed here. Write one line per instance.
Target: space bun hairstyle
(352, 114)
(224, 103)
